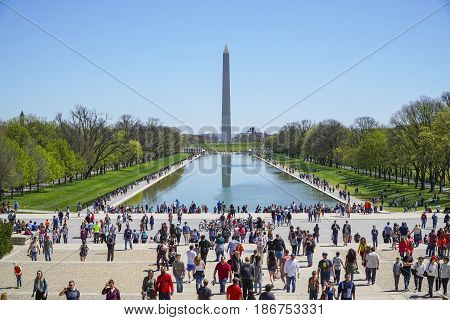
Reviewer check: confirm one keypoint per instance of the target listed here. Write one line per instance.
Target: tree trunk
(422, 179)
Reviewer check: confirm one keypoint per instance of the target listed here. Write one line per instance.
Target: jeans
(371, 272)
(309, 257)
(223, 284)
(110, 255)
(33, 256)
(258, 286)
(219, 253)
(407, 277)
(431, 250)
(65, 238)
(335, 239)
(430, 285)
(164, 296)
(247, 286)
(445, 285)
(291, 281)
(48, 255)
(199, 276)
(396, 281)
(19, 280)
(375, 242)
(279, 255)
(316, 237)
(417, 239)
(179, 284)
(130, 242)
(312, 294)
(418, 282)
(337, 276)
(294, 249)
(96, 237)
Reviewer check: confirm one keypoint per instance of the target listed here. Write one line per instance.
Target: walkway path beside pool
(296, 174)
(141, 186)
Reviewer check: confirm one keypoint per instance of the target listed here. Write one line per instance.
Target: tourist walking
(258, 273)
(337, 264)
(164, 285)
(247, 274)
(407, 261)
(418, 271)
(110, 244)
(267, 294)
(128, 237)
(397, 271)
(432, 273)
(234, 292)
(204, 293)
(18, 274)
(190, 267)
(372, 265)
(48, 248)
(445, 275)
(40, 287)
(70, 292)
(178, 270)
(346, 289)
(313, 286)
(291, 270)
(83, 252)
(351, 263)
(110, 290)
(199, 272)
(324, 269)
(148, 286)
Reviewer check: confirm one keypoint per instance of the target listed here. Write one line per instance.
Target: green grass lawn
(85, 191)
(229, 147)
(369, 187)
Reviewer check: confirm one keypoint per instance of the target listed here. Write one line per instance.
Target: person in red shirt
(164, 285)
(223, 270)
(18, 274)
(234, 292)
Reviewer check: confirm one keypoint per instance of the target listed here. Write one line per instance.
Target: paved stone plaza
(129, 267)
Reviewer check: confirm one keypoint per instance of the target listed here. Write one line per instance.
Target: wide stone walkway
(129, 268)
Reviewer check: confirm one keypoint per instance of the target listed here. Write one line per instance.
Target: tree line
(34, 151)
(415, 145)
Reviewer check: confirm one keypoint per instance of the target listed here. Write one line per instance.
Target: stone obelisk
(226, 112)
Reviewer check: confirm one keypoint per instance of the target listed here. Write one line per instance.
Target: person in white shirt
(432, 273)
(418, 270)
(372, 265)
(291, 269)
(190, 266)
(445, 275)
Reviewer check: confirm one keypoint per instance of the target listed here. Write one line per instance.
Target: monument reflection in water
(226, 170)
(208, 180)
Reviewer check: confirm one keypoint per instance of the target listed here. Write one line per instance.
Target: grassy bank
(85, 191)
(368, 187)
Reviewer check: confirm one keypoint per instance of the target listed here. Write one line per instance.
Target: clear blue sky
(171, 52)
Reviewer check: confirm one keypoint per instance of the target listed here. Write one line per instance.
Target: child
(18, 274)
(313, 286)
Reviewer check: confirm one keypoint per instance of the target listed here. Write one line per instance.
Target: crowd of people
(240, 276)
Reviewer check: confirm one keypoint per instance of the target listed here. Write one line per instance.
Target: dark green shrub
(6, 245)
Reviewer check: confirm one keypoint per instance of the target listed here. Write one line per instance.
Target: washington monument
(226, 112)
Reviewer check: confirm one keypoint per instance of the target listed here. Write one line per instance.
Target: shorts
(190, 267)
